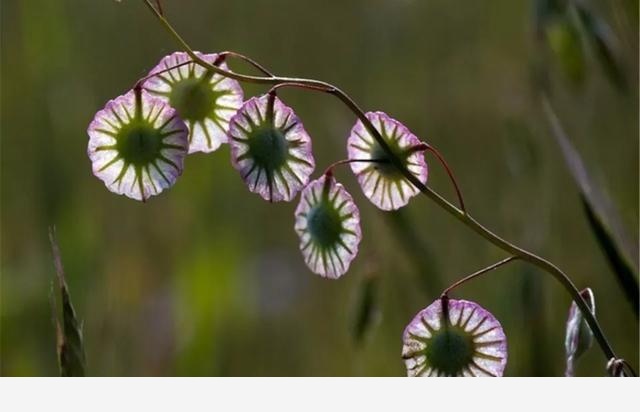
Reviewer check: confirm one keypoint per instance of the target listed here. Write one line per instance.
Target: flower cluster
(139, 141)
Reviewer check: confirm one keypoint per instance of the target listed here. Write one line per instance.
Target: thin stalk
(159, 6)
(329, 170)
(478, 273)
(141, 81)
(450, 173)
(459, 214)
(300, 86)
(249, 60)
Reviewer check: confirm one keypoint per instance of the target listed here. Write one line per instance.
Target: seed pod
(204, 99)
(137, 145)
(578, 336)
(270, 148)
(463, 340)
(381, 181)
(328, 224)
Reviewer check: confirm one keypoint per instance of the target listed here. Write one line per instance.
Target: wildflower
(328, 224)
(137, 145)
(204, 99)
(270, 148)
(381, 181)
(467, 342)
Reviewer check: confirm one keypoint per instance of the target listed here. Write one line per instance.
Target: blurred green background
(207, 278)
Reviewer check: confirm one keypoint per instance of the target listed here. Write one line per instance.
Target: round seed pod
(205, 100)
(137, 145)
(381, 181)
(270, 148)
(328, 224)
(462, 340)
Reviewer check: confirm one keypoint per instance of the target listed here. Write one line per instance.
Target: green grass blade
(619, 263)
(601, 214)
(600, 37)
(70, 348)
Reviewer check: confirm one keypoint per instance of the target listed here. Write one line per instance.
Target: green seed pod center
(193, 99)
(325, 225)
(449, 350)
(385, 166)
(268, 147)
(139, 143)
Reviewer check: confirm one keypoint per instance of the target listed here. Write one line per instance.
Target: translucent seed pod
(328, 224)
(463, 340)
(137, 145)
(270, 148)
(204, 99)
(381, 181)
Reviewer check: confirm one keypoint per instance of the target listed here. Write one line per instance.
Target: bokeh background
(207, 278)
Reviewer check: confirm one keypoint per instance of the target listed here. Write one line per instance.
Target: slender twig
(159, 6)
(478, 273)
(141, 81)
(249, 60)
(459, 214)
(329, 170)
(300, 85)
(451, 176)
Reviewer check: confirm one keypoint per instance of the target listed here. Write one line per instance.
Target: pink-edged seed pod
(381, 181)
(137, 145)
(270, 148)
(204, 99)
(461, 339)
(328, 224)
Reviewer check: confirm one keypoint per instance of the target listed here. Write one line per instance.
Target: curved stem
(478, 273)
(620, 368)
(249, 60)
(450, 173)
(536, 261)
(300, 86)
(141, 81)
(459, 214)
(275, 80)
(329, 170)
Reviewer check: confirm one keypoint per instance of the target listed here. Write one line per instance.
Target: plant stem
(247, 60)
(451, 176)
(141, 81)
(329, 169)
(459, 214)
(300, 86)
(478, 273)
